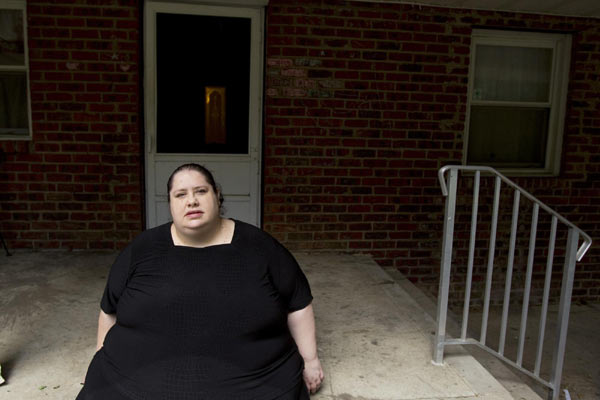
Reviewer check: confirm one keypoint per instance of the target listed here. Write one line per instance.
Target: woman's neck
(216, 233)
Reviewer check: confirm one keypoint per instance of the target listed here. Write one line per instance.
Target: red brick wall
(364, 102)
(76, 184)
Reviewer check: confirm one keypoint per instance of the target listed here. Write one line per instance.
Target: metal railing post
(563, 313)
(546, 296)
(509, 271)
(490, 262)
(473, 236)
(442, 310)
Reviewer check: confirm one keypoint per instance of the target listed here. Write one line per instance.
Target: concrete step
(375, 340)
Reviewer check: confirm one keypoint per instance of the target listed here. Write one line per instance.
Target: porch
(374, 337)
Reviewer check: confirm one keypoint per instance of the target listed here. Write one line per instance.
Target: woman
(204, 308)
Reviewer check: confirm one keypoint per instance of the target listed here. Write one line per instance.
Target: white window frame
(561, 45)
(12, 134)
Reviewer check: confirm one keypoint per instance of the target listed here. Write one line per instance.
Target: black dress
(201, 323)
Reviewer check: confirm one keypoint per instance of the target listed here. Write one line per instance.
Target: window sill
(15, 134)
(523, 172)
(15, 137)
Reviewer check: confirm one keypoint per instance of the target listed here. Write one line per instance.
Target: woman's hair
(202, 170)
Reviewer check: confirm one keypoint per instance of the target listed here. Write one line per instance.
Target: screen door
(203, 100)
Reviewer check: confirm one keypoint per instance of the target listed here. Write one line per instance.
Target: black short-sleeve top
(203, 323)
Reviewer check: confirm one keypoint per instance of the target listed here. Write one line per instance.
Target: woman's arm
(105, 322)
(301, 324)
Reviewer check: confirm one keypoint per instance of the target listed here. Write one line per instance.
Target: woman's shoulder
(247, 231)
(152, 236)
(253, 236)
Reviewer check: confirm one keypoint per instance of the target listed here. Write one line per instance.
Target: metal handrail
(584, 246)
(572, 255)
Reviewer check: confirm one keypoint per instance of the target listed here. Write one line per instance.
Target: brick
(70, 22)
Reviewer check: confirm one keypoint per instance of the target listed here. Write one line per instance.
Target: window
(15, 115)
(516, 103)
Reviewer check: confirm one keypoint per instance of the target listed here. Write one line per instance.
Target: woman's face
(193, 202)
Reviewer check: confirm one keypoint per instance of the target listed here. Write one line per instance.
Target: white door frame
(238, 188)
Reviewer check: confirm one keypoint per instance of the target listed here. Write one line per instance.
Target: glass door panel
(203, 81)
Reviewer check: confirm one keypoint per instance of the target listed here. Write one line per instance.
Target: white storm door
(203, 102)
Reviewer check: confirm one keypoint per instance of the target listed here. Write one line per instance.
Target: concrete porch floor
(374, 338)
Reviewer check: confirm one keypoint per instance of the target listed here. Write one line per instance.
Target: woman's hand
(302, 327)
(313, 375)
